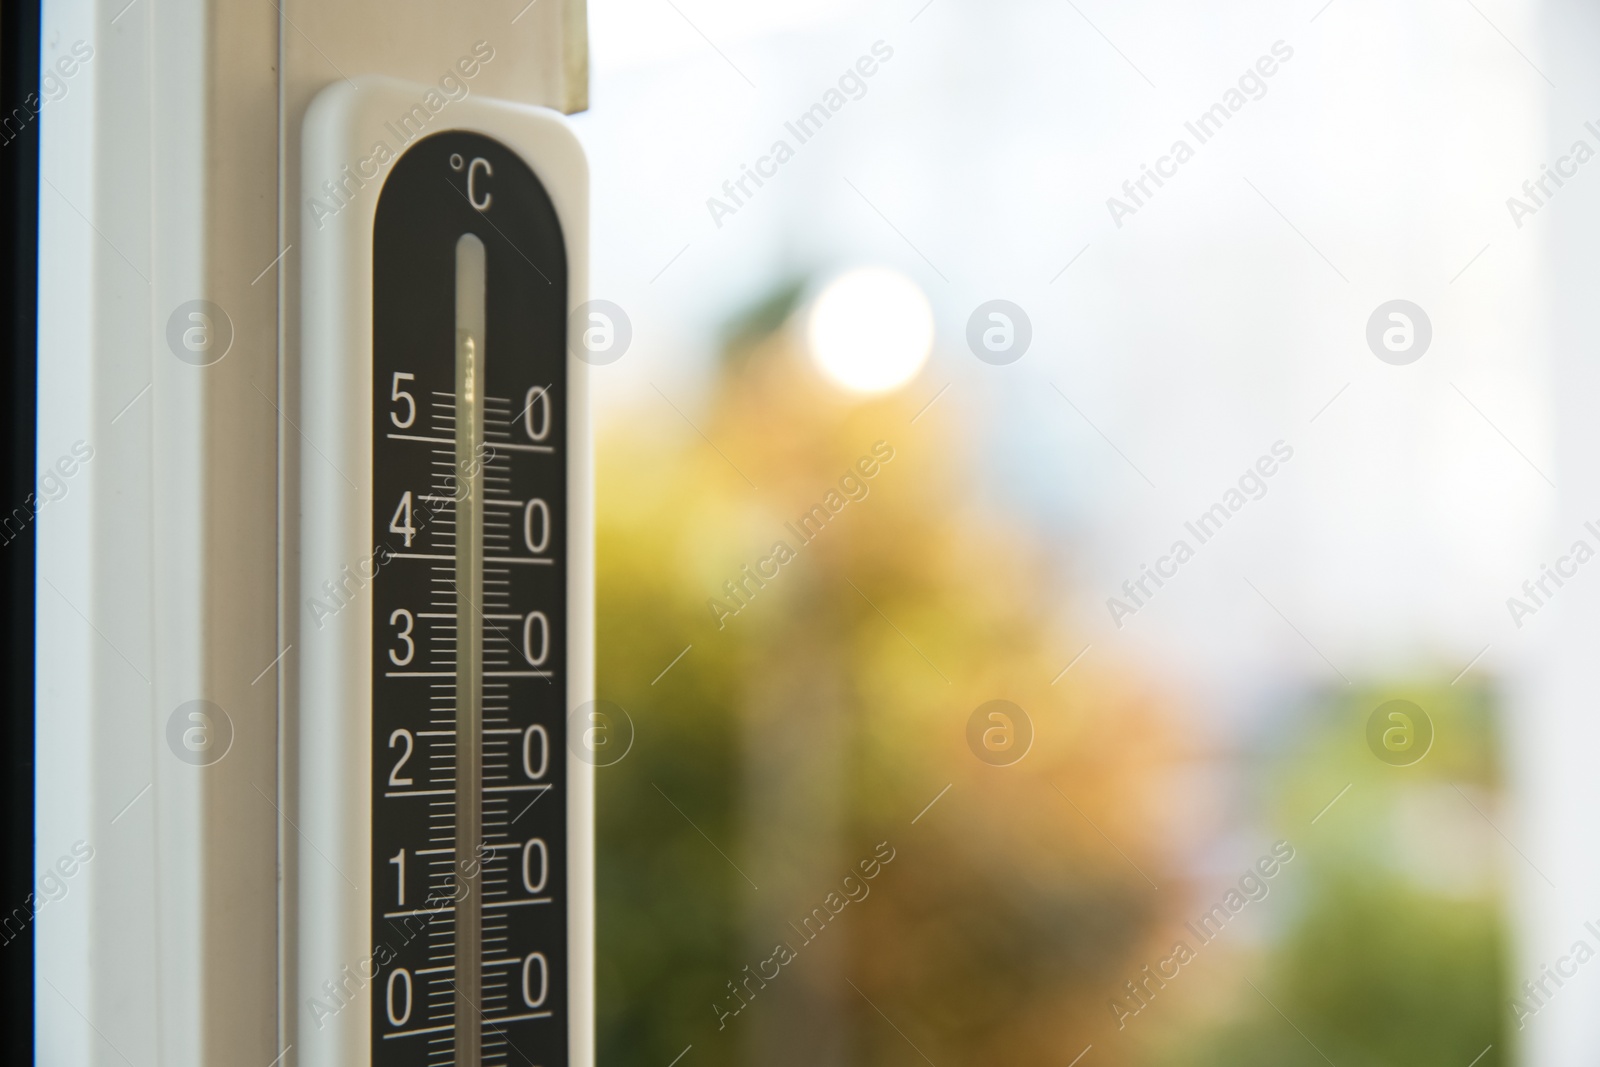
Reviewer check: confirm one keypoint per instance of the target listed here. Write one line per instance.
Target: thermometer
(445, 905)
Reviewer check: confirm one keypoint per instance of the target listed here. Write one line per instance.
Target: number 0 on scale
(445, 911)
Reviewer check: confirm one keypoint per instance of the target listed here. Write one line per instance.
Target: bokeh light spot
(870, 330)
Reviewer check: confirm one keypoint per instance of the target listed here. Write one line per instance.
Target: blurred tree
(795, 736)
(1392, 947)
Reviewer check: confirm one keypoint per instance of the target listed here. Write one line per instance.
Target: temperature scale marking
(470, 609)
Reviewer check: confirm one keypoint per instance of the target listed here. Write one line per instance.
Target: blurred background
(1311, 789)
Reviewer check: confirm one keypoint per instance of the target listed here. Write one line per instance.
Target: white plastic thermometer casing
(355, 136)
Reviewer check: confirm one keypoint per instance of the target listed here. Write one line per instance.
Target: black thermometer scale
(475, 814)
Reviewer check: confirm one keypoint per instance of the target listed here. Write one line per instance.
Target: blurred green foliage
(793, 737)
(1392, 944)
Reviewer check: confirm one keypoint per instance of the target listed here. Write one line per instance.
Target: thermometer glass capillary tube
(471, 321)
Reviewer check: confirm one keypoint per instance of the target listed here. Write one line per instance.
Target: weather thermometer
(445, 874)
